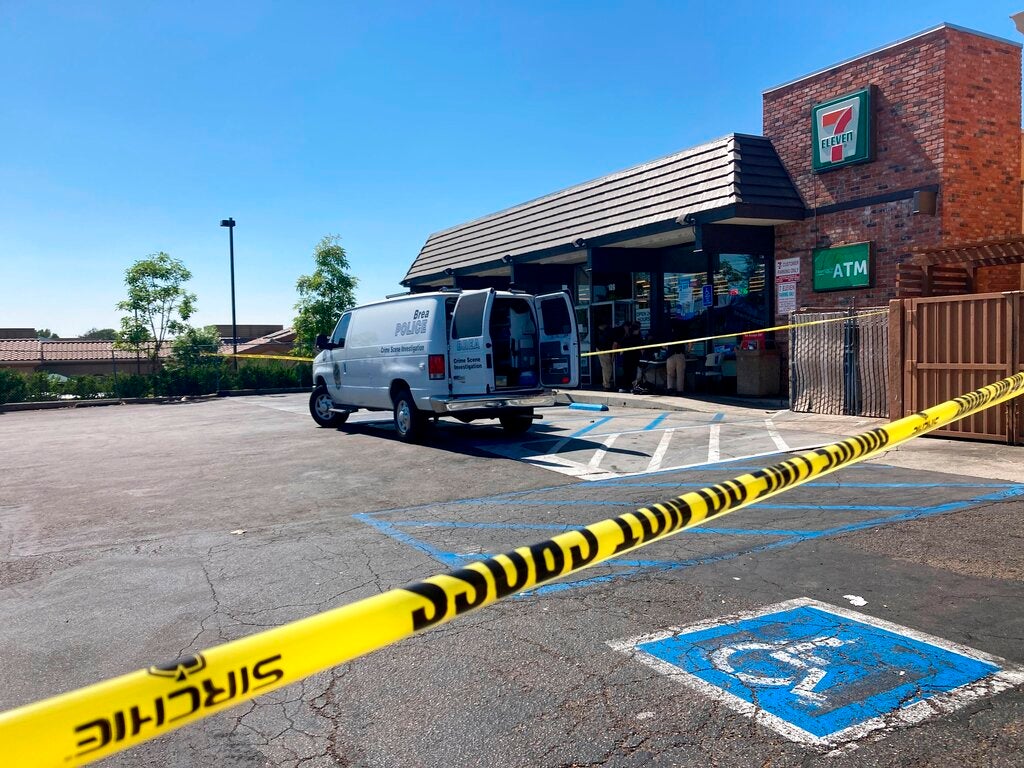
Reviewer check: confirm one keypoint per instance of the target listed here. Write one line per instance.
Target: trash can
(757, 372)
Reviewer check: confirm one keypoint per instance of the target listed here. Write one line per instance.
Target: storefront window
(582, 285)
(741, 293)
(609, 286)
(642, 301)
(684, 313)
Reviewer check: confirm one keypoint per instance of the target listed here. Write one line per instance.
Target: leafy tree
(100, 334)
(197, 347)
(157, 303)
(46, 333)
(323, 295)
(194, 367)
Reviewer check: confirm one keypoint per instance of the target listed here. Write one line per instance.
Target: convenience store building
(895, 173)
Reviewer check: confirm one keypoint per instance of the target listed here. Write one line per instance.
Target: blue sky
(129, 128)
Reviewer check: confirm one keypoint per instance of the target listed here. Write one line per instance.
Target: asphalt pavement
(874, 617)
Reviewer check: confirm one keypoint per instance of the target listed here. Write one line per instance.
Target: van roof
(451, 292)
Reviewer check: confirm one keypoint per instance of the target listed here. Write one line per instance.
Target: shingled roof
(738, 173)
(28, 350)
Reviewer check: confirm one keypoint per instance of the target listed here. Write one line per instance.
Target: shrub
(41, 386)
(13, 387)
(131, 385)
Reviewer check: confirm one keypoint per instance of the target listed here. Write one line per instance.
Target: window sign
(842, 131)
(785, 298)
(787, 267)
(842, 268)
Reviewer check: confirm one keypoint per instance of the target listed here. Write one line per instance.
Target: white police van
(479, 354)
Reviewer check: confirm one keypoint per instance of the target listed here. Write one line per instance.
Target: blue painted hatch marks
(452, 549)
(823, 675)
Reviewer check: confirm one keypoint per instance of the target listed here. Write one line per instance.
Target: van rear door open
(559, 341)
(472, 362)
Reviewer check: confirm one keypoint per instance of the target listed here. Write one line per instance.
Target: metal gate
(947, 345)
(840, 367)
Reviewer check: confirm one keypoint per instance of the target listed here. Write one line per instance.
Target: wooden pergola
(950, 270)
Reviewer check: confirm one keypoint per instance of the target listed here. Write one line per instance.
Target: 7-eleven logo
(837, 131)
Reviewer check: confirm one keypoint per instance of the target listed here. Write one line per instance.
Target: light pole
(230, 224)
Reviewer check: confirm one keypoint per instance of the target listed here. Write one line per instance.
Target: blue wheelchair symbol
(824, 675)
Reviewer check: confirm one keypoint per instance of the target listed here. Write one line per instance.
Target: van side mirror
(322, 342)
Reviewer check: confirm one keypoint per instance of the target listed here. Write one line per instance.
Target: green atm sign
(842, 268)
(842, 131)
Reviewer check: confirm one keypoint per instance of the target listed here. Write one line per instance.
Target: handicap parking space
(857, 498)
(821, 675)
(628, 441)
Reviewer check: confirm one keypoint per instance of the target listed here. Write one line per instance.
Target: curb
(44, 405)
(665, 402)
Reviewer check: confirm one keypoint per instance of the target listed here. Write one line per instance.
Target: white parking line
(660, 451)
(601, 452)
(773, 433)
(713, 440)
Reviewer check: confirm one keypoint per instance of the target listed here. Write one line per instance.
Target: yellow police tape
(84, 725)
(734, 335)
(263, 357)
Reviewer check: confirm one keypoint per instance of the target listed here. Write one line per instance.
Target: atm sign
(842, 268)
(842, 131)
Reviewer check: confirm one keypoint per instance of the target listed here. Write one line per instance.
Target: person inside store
(675, 363)
(630, 357)
(604, 341)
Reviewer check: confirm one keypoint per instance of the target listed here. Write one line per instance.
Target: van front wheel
(410, 423)
(320, 405)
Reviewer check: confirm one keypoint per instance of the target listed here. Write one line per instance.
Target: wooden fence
(944, 346)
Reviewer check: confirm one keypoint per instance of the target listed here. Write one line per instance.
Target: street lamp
(230, 224)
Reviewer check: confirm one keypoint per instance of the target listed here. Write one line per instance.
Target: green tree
(323, 295)
(194, 368)
(46, 333)
(100, 334)
(158, 305)
(197, 347)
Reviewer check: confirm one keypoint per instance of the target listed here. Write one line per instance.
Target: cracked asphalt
(130, 535)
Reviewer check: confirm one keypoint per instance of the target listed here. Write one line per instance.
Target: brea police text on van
(416, 326)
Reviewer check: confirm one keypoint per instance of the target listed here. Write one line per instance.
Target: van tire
(516, 425)
(320, 404)
(410, 423)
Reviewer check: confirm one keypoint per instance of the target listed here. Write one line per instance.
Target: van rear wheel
(320, 405)
(410, 423)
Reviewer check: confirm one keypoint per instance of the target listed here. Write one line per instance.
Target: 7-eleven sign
(841, 131)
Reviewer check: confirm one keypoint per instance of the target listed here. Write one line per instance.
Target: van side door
(559, 341)
(471, 356)
(337, 356)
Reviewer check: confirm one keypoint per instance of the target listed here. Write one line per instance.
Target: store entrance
(613, 314)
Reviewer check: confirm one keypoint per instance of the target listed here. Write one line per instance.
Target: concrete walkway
(979, 459)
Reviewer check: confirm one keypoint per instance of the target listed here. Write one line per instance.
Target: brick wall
(981, 178)
(947, 112)
(1005, 277)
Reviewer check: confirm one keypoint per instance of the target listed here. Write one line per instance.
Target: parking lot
(131, 535)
